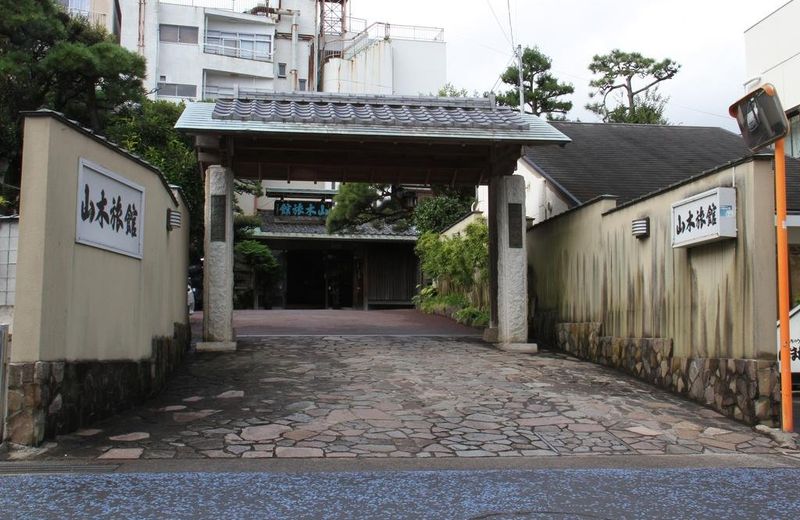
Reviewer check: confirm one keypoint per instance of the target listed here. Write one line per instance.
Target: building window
(76, 6)
(239, 45)
(177, 33)
(302, 83)
(177, 90)
(281, 70)
(793, 138)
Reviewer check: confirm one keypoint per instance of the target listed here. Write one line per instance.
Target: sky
(706, 37)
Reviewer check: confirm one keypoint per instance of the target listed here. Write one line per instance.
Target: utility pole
(521, 87)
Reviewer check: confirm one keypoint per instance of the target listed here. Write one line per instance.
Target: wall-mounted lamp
(173, 219)
(641, 227)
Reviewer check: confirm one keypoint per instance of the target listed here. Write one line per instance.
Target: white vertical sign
(110, 211)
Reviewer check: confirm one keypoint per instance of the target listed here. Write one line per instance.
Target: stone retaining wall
(47, 398)
(744, 389)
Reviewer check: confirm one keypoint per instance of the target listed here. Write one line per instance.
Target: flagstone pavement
(349, 397)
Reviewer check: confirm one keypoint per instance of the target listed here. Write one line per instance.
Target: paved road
(504, 494)
(404, 397)
(408, 322)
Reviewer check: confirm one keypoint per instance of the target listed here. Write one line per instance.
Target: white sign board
(707, 217)
(110, 211)
(794, 339)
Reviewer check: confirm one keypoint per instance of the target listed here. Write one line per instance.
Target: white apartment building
(205, 49)
(772, 55)
(105, 13)
(199, 50)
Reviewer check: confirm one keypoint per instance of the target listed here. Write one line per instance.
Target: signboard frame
(723, 202)
(81, 227)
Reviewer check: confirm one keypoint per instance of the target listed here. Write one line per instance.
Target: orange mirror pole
(787, 422)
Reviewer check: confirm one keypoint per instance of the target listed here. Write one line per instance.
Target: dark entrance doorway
(319, 279)
(339, 279)
(305, 279)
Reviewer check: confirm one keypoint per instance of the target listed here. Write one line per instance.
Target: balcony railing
(385, 31)
(239, 6)
(93, 17)
(236, 52)
(213, 92)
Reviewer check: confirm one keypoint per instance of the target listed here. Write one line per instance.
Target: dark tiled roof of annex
(310, 228)
(630, 161)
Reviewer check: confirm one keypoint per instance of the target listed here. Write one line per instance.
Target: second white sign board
(707, 217)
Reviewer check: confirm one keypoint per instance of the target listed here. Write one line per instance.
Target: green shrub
(473, 316)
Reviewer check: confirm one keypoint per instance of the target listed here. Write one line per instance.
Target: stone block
(41, 371)
(32, 395)
(490, 336)
(55, 405)
(15, 401)
(57, 371)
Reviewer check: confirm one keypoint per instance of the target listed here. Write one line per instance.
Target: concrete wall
(95, 331)
(391, 66)
(76, 302)
(368, 72)
(711, 302)
(420, 67)
(772, 51)
(542, 200)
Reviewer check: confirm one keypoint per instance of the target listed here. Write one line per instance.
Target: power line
(499, 25)
(500, 76)
(510, 25)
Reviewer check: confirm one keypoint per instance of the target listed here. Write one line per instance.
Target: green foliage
(359, 203)
(244, 225)
(148, 130)
(51, 60)
(450, 90)
(630, 103)
(256, 256)
(440, 212)
(460, 268)
(542, 90)
(473, 316)
(256, 270)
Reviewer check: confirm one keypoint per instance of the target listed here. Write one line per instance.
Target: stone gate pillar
(508, 254)
(218, 332)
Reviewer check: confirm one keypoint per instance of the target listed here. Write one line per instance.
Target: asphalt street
(440, 494)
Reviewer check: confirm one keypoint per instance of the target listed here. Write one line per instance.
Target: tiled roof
(377, 112)
(467, 119)
(315, 229)
(630, 161)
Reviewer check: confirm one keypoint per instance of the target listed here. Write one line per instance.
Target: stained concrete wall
(76, 302)
(713, 301)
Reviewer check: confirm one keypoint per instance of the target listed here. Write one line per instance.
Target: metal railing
(212, 92)
(385, 31)
(93, 17)
(239, 6)
(236, 52)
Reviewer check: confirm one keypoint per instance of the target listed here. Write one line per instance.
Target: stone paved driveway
(343, 396)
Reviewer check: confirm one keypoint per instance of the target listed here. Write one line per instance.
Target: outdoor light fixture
(641, 227)
(173, 219)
